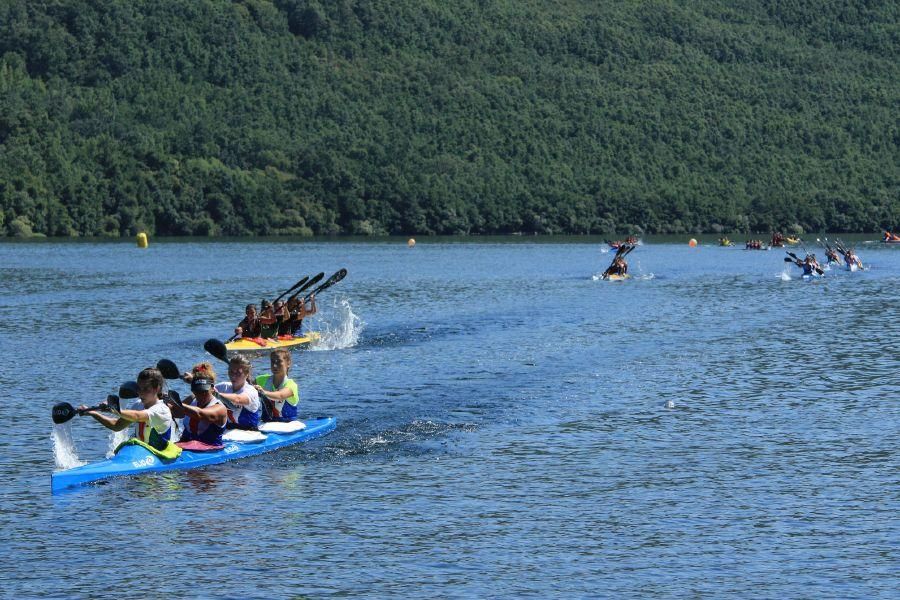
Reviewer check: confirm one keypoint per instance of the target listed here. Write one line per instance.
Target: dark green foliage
(302, 117)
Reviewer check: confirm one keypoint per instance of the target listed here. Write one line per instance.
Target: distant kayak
(267, 345)
(618, 277)
(137, 460)
(792, 241)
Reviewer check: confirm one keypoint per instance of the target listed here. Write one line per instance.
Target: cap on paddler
(201, 384)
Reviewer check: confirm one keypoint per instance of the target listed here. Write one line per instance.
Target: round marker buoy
(692, 243)
(411, 242)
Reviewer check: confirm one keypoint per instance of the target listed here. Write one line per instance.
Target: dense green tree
(302, 117)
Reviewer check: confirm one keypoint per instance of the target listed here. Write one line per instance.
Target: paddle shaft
(331, 281)
(291, 289)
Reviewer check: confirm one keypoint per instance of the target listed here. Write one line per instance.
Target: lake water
(507, 425)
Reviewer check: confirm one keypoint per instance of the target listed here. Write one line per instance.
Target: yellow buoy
(692, 243)
(142, 240)
(411, 242)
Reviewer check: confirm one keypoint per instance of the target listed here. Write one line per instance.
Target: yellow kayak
(792, 241)
(618, 277)
(248, 345)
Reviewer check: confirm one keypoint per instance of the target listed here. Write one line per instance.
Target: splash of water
(64, 452)
(784, 276)
(339, 330)
(116, 438)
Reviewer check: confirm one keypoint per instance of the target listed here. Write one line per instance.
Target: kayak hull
(247, 345)
(137, 460)
(618, 277)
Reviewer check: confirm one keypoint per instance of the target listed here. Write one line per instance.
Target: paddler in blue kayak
(239, 396)
(150, 415)
(809, 265)
(852, 259)
(278, 392)
(204, 415)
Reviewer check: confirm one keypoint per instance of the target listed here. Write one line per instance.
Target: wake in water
(339, 330)
(64, 452)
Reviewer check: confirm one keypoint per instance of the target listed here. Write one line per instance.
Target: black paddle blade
(175, 398)
(63, 412)
(216, 348)
(168, 369)
(788, 259)
(112, 401)
(330, 282)
(129, 390)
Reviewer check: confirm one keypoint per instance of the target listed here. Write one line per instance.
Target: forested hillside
(216, 117)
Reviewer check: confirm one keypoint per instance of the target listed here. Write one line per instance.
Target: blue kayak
(136, 460)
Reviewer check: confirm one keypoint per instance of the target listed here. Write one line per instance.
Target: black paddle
(64, 411)
(328, 283)
(129, 390)
(308, 285)
(216, 348)
(799, 262)
(291, 289)
(168, 369)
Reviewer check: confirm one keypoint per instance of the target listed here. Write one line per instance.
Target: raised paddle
(328, 283)
(217, 349)
(168, 369)
(129, 390)
(308, 285)
(291, 289)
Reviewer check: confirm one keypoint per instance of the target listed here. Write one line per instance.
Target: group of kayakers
(276, 319)
(755, 245)
(890, 238)
(212, 408)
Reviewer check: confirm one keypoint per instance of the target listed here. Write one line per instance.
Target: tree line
(301, 117)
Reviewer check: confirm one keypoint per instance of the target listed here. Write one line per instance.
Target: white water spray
(64, 452)
(116, 438)
(339, 330)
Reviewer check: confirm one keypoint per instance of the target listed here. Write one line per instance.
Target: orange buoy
(692, 243)
(411, 242)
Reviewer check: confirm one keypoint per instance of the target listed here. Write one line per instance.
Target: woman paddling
(249, 325)
(298, 310)
(241, 398)
(279, 392)
(204, 415)
(150, 415)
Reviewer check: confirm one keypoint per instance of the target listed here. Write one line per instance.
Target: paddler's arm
(216, 414)
(115, 424)
(312, 306)
(134, 416)
(282, 394)
(238, 399)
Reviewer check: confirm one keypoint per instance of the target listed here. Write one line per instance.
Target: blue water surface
(508, 426)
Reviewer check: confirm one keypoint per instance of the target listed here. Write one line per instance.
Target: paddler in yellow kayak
(298, 311)
(249, 326)
(619, 266)
(151, 417)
